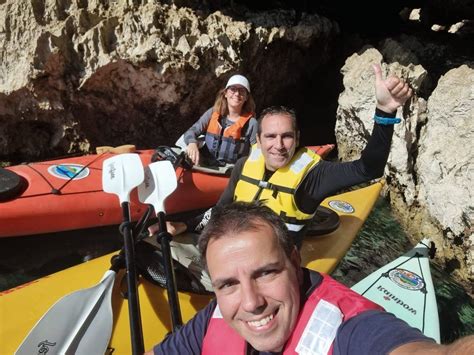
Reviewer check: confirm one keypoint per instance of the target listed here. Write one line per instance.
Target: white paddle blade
(121, 174)
(159, 183)
(79, 323)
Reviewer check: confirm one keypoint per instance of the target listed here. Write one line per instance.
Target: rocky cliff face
(430, 169)
(79, 74)
(85, 73)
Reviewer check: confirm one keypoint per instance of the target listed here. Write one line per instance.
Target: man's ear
(258, 141)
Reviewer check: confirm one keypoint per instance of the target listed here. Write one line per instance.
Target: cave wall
(89, 73)
(85, 73)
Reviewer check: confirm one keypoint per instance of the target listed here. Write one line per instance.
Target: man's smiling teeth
(261, 322)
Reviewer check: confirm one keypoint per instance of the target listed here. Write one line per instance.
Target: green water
(380, 241)
(28, 258)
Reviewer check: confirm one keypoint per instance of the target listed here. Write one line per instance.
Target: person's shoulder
(209, 112)
(188, 339)
(206, 312)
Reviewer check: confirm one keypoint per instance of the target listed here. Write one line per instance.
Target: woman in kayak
(229, 126)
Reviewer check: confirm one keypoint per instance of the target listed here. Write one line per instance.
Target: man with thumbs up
(293, 180)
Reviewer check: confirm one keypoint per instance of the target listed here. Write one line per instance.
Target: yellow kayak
(22, 306)
(323, 253)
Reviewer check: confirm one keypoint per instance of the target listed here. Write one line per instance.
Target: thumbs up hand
(390, 93)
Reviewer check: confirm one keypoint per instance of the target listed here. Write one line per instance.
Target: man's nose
(279, 142)
(252, 300)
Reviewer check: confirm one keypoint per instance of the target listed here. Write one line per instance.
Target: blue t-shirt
(371, 332)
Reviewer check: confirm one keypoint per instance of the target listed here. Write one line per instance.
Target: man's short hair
(277, 110)
(239, 217)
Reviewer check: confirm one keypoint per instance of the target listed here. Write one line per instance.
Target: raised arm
(330, 177)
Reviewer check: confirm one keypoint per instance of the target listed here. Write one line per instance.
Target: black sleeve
(375, 332)
(197, 223)
(188, 339)
(327, 178)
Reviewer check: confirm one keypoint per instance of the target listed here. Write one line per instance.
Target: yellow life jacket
(278, 192)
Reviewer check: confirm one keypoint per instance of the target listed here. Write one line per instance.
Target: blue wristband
(386, 120)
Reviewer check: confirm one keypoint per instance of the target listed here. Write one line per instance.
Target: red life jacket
(328, 306)
(227, 144)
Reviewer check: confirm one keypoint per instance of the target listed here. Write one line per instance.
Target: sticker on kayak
(341, 206)
(68, 171)
(406, 279)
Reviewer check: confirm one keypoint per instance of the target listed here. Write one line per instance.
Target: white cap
(238, 80)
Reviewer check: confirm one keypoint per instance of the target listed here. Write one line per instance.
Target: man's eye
(267, 273)
(225, 285)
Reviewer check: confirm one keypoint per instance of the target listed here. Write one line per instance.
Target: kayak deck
(405, 288)
(323, 253)
(21, 307)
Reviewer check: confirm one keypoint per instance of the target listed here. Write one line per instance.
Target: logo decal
(44, 346)
(341, 206)
(406, 279)
(388, 296)
(111, 170)
(69, 171)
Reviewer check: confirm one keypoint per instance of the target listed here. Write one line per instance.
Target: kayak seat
(176, 158)
(11, 184)
(150, 265)
(324, 221)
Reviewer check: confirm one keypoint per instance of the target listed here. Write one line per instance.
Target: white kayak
(404, 287)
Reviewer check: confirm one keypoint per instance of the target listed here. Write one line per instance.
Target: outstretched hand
(390, 93)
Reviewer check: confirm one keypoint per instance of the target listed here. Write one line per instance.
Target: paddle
(120, 175)
(160, 182)
(81, 322)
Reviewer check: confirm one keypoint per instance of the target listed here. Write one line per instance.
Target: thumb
(378, 73)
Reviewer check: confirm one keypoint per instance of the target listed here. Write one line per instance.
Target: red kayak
(66, 194)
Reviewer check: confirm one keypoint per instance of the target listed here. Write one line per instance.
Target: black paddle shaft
(164, 239)
(133, 301)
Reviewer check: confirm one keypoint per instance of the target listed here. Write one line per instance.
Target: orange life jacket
(227, 145)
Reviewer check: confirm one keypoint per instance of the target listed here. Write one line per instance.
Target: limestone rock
(430, 167)
(88, 73)
(445, 164)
